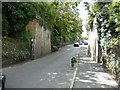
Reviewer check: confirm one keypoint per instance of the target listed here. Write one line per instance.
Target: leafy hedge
(112, 64)
(14, 50)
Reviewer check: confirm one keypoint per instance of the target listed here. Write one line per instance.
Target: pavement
(91, 74)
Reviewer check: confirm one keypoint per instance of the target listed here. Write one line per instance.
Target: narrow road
(51, 71)
(54, 71)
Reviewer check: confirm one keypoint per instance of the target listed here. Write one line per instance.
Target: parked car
(85, 42)
(76, 44)
(80, 43)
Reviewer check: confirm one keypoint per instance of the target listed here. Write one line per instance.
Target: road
(51, 71)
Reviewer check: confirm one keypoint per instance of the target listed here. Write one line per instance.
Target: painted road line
(74, 76)
(73, 80)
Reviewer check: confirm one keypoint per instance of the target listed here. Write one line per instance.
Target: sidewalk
(92, 75)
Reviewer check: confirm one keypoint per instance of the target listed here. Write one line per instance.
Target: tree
(68, 25)
(62, 19)
(15, 17)
(108, 27)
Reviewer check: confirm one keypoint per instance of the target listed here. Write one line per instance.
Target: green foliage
(91, 16)
(61, 18)
(16, 16)
(14, 50)
(107, 14)
(5, 28)
(25, 36)
(104, 60)
(67, 26)
(74, 60)
(112, 64)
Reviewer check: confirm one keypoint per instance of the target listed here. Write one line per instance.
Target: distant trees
(68, 25)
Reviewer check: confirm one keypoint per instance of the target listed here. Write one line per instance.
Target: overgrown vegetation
(14, 50)
(62, 19)
(67, 26)
(112, 64)
(108, 27)
(16, 42)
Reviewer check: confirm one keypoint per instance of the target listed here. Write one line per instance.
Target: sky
(83, 15)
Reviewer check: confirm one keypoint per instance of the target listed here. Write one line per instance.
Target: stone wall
(41, 39)
(93, 42)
